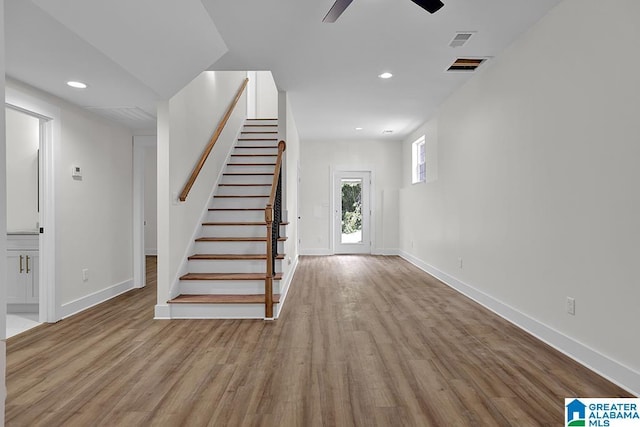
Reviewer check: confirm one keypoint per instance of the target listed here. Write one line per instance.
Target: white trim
(285, 284)
(614, 371)
(88, 301)
(49, 304)
(140, 143)
(162, 312)
(316, 252)
(386, 252)
(339, 169)
(151, 252)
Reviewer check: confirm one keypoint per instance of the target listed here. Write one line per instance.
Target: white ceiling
(136, 52)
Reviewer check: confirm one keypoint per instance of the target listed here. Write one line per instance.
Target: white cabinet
(22, 277)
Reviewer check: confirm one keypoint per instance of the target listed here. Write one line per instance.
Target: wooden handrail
(282, 146)
(214, 138)
(268, 218)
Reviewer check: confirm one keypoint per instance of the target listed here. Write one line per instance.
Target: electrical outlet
(571, 306)
(460, 262)
(85, 274)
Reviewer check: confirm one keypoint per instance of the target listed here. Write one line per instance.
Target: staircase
(227, 271)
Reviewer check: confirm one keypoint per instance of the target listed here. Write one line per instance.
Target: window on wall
(418, 161)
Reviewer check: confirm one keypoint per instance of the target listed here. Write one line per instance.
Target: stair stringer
(284, 287)
(175, 282)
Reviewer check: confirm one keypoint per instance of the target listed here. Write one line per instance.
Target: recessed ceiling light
(358, 128)
(385, 75)
(77, 85)
(387, 131)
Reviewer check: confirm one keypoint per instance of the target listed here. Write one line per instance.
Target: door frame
(140, 144)
(336, 201)
(50, 136)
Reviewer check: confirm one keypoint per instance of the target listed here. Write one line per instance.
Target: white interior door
(352, 213)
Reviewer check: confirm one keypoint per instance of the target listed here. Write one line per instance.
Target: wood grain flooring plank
(362, 341)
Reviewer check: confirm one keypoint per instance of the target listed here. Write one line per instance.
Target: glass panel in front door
(351, 189)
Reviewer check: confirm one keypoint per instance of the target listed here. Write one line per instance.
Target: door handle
(28, 271)
(21, 269)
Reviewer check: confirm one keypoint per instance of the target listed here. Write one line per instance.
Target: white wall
(23, 141)
(266, 93)
(150, 201)
(537, 185)
(185, 126)
(3, 229)
(317, 158)
(289, 133)
(93, 215)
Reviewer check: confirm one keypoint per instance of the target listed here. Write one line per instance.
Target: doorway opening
(24, 138)
(34, 240)
(352, 212)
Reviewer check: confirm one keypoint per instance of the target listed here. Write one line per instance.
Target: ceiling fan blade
(431, 6)
(336, 10)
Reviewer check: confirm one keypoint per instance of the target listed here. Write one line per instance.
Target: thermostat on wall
(76, 172)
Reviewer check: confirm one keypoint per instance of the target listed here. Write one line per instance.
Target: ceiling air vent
(466, 64)
(460, 39)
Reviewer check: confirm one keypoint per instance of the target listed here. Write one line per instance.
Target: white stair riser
(258, 150)
(233, 230)
(230, 266)
(254, 202)
(264, 128)
(226, 287)
(261, 122)
(253, 159)
(247, 179)
(233, 247)
(219, 311)
(243, 190)
(249, 169)
(272, 143)
(263, 134)
(228, 216)
(237, 230)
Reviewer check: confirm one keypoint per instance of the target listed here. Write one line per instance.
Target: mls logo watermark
(601, 412)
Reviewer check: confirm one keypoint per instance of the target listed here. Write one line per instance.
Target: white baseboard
(316, 252)
(151, 252)
(285, 284)
(81, 304)
(610, 369)
(386, 252)
(162, 311)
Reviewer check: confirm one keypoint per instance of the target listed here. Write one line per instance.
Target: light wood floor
(362, 341)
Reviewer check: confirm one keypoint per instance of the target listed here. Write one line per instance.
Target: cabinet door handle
(28, 271)
(21, 269)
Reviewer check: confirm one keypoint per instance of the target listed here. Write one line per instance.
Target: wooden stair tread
(228, 276)
(255, 146)
(257, 139)
(244, 185)
(236, 239)
(254, 155)
(251, 164)
(255, 131)
(222, 299)
(262, 126)
(246, 173)
(261, 119)
(236, 209)
(237, 223)
(232, 257)
(223, 196)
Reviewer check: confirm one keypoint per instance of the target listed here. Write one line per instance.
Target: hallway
(362, 340)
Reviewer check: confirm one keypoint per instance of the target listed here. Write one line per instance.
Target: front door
(352, 214)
